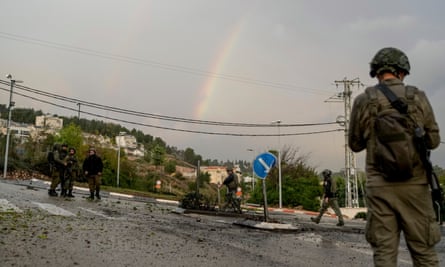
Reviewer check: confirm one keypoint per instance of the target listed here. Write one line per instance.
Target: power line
(156, 116)
(157, 64)
(169, 128)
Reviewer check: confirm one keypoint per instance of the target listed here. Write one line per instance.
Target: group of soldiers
(65, 169)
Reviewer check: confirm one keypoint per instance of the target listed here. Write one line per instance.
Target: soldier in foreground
(398, 198)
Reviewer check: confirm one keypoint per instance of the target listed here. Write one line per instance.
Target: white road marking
(121, 195)
(53, 209)
(6, 206)
(167, 201)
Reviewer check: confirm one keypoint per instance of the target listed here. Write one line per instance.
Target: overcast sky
(226, 61)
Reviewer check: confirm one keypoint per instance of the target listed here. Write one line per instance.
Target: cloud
(427, 64)
(402, 22)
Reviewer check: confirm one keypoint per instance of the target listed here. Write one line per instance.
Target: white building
(129, 144)
(49, 122)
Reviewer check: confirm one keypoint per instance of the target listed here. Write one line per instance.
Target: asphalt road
(38, 230)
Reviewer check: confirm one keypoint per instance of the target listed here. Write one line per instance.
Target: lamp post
(279, 165)
(8, 127)
(119, 156)
(253, 173)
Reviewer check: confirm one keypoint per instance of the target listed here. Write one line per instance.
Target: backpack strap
(396, 102)
(411, 91)
(413, 109)
(410, 95)
(371, 92)
(372, 95)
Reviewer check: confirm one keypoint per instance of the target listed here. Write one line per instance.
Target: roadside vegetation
(301, 184)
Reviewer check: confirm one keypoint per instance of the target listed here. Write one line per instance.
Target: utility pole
(78, 113)
(253, 172)
(8, 127)
(280, 201)
(351, 186)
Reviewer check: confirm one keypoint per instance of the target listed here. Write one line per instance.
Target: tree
(189, 155)
(71, 135)
(170, 166)
(300, 183)
(158, 155)
(204, 178)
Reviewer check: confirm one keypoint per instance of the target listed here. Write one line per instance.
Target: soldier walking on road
(231, 182)
(92, 167)
(399, 201)
(329, 198)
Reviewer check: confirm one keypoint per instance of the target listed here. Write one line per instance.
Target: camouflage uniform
(231, 182)
(59, 175)
(394, 207)
(329, 199)
(71, 172)
(92, 167)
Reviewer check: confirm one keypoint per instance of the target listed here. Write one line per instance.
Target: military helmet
(327, 173)
(56, 147)
(229, 168)
(389, 59)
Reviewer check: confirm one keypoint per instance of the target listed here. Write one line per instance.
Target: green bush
(170, 167)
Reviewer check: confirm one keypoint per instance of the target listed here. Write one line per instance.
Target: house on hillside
(187, 172)
(21, 131)
(130, 146)
(49, 123)
(92, 139)
(217, 173)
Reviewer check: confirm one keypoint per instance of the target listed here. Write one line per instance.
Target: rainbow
(205, 93)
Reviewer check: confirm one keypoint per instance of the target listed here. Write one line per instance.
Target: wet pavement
(123, 230)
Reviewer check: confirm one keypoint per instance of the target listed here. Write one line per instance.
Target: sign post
(219, 196)
(261, 166)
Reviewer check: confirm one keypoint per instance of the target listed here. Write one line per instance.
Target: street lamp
(8, 127)
(279, 165)
(253, 174)
(119, 156)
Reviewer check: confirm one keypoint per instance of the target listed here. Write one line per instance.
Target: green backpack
(393, 134)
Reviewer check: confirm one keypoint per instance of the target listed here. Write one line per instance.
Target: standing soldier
(403, 205)
(329, 198)
(72, 169)
(92, 167)
(60, 165)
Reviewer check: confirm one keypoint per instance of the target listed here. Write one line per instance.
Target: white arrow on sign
(267, 168)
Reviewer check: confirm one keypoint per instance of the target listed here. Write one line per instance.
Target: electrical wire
(169, 128)
(156, 116)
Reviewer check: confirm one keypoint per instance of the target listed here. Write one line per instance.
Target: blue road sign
(263, 163)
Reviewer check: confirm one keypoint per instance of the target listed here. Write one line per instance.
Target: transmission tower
(351, 187)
